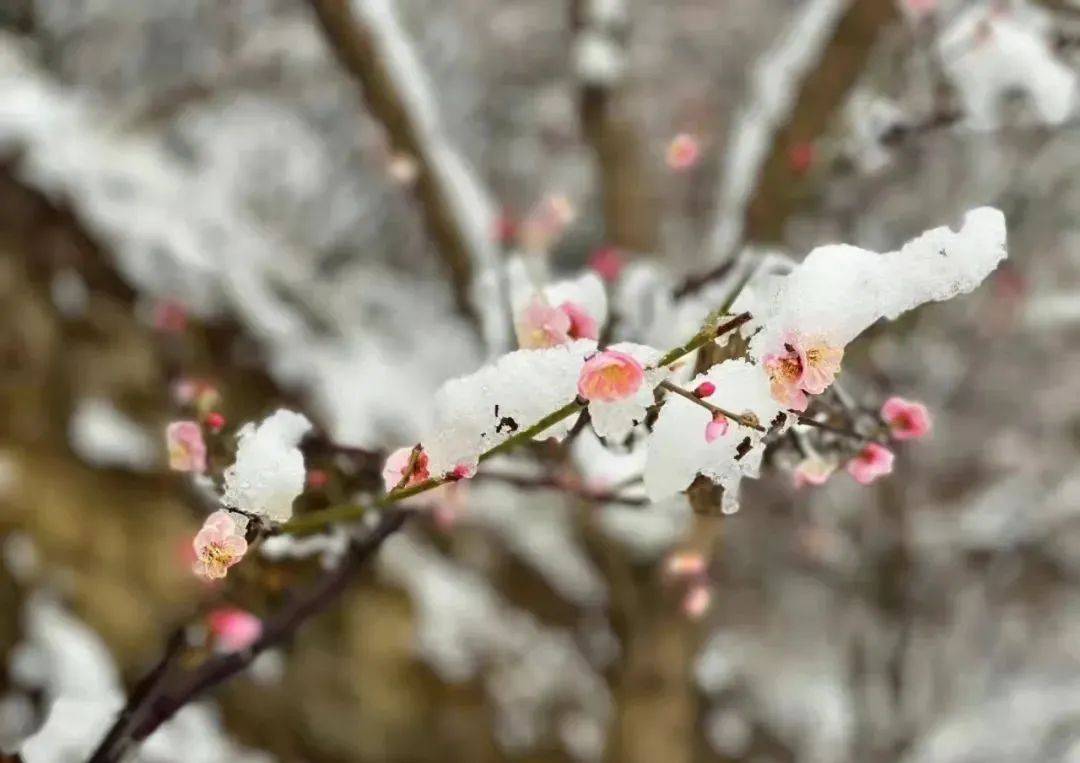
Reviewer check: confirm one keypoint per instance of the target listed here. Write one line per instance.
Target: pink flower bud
(187, 450)
(607, 262)
(233, 629)
(907, 419)
(872, 462)
(215, 421)
(705, 389)
(716, 428)
(609, 376)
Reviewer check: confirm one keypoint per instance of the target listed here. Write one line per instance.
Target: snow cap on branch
(268, 473)
(803, 320)
(476, 412)
(678, 452)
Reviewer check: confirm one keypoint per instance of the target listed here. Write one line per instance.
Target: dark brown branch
(631, 217)
(823, 92)
(363, 47)
(159, 696)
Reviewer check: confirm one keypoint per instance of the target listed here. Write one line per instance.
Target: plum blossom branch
(316, 520)
(154, 701)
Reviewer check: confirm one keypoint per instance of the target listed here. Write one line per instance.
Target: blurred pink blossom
(607, 262)
(872, 462)
(582, 324)
(540, 325)
(233, 629)
(697, 601)
(683, 153)
(685, 564)
(187, 450)
(907, 419)
(813, 471)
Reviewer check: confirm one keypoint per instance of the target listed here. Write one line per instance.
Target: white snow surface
(473, 412)
(838, 291)
(678, 451)
(103, 436)
(268, 473)
(989, 54)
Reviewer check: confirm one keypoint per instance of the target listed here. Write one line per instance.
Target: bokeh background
(298, 199)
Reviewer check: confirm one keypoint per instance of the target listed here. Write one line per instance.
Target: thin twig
(151, 704)
(745, 419)
(318, 519)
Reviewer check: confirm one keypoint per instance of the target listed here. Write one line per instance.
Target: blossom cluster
(716, 423)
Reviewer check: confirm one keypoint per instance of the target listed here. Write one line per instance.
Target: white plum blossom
(678, 451)
(268, 473)
(479, 411)
(616, 419)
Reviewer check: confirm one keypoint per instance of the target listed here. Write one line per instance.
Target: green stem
(316, 520)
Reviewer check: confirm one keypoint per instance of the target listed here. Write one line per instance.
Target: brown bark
(823, 92)
(631, 217)
(364, 54)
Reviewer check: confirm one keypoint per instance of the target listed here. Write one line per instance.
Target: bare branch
(370, 44)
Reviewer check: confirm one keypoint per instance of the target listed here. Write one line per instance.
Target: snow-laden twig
(370, 43)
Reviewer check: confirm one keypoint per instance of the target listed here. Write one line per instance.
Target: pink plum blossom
(607, 262)
(233, 629)
(716, 428)
(872, 462)
(187, 450)
(813, 471)
(683, 153)
(907, 419)
(609, 376)
(582, 324)
(398, 464)
(218, 546)
(803, 368)
(540, 325)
